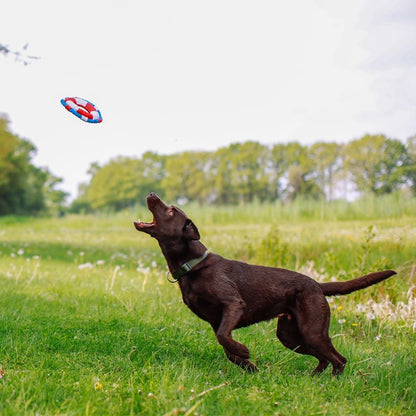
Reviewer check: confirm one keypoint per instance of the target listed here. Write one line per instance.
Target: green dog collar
(187, 267)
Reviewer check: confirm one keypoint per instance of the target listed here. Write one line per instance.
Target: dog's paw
(249, 366)
(241, 362)
(240, 350)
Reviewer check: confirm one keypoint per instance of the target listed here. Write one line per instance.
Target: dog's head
(169, 222)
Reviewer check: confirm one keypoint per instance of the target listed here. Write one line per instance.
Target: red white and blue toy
(83, 109)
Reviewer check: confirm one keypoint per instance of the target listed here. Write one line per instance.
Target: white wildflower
(119, 255)
(360, 308)
(393, 312)
(87, 265)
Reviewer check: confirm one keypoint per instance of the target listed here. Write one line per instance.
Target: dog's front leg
(232, 311)
(235, 351)
(242, 362)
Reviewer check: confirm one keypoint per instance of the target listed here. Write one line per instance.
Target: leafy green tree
(55, 199)
(80, 205)
(295, 170)
(300, 186)
(224, 192)
(188, 177)
(326, 164)
(114, 185)
(376, 164)
(279, 167)
(123, 182)
(21, 183)
(411, 166)
(152, 173)
(242, 173)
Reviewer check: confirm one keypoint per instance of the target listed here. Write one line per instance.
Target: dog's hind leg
(313, 322)
(289, 335)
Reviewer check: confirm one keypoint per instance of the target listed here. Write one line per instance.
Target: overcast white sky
(182, 75)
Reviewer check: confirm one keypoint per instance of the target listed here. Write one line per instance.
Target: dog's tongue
(140, 224)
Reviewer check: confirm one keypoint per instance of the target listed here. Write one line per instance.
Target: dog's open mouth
(140, 225)
(153, 201)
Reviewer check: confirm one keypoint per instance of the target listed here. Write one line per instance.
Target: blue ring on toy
(83, 109)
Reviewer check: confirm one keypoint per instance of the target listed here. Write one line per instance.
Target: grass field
(90, 326)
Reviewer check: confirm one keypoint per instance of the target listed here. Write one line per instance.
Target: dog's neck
(176, 257)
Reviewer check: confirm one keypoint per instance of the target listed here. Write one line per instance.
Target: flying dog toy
(83, 109)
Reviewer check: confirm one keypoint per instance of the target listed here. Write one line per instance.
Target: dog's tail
(343, 288)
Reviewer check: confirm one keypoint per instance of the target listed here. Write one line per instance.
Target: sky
(170, 76)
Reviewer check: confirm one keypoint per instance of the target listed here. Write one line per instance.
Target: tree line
(24, 188)
(244, 172)
(238, 173)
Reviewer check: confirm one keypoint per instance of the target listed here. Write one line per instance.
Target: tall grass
(369, 208)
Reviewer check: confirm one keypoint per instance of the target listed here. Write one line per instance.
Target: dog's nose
(152, 199)
(154, 196)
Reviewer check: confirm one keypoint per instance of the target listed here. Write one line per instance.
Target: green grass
(90, 326)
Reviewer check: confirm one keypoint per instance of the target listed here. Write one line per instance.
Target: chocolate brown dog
(230, 294)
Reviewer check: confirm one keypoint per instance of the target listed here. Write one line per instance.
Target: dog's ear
(190, 232)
